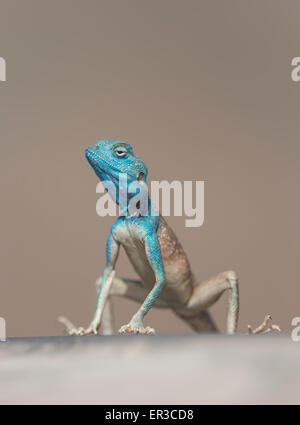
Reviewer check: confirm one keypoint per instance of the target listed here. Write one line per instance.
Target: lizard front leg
(153, 252)
(112, 251)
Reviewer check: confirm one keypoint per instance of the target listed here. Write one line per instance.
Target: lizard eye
(120, 152)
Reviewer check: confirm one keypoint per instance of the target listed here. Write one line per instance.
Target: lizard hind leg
(208, 292)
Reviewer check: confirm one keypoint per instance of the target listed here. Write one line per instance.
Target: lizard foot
(264, 327)
(135, 329)
(72, 330)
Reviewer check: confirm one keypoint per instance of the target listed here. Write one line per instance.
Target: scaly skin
(156, 255)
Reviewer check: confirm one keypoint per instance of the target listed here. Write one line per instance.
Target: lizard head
(110, 159)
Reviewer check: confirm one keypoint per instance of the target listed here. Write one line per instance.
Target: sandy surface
(188, 369)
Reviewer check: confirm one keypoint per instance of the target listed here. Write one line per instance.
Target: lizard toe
(135, 330)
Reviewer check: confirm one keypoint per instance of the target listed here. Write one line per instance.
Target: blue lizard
(166, 279)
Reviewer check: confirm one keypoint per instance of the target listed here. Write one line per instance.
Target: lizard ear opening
(141, 176)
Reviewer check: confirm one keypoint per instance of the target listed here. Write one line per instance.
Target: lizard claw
(265, 327)
(135, 329)
(72, 330)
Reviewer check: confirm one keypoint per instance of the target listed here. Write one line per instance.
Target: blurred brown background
(202, 90)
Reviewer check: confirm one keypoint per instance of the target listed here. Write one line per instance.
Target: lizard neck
(137, 207)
